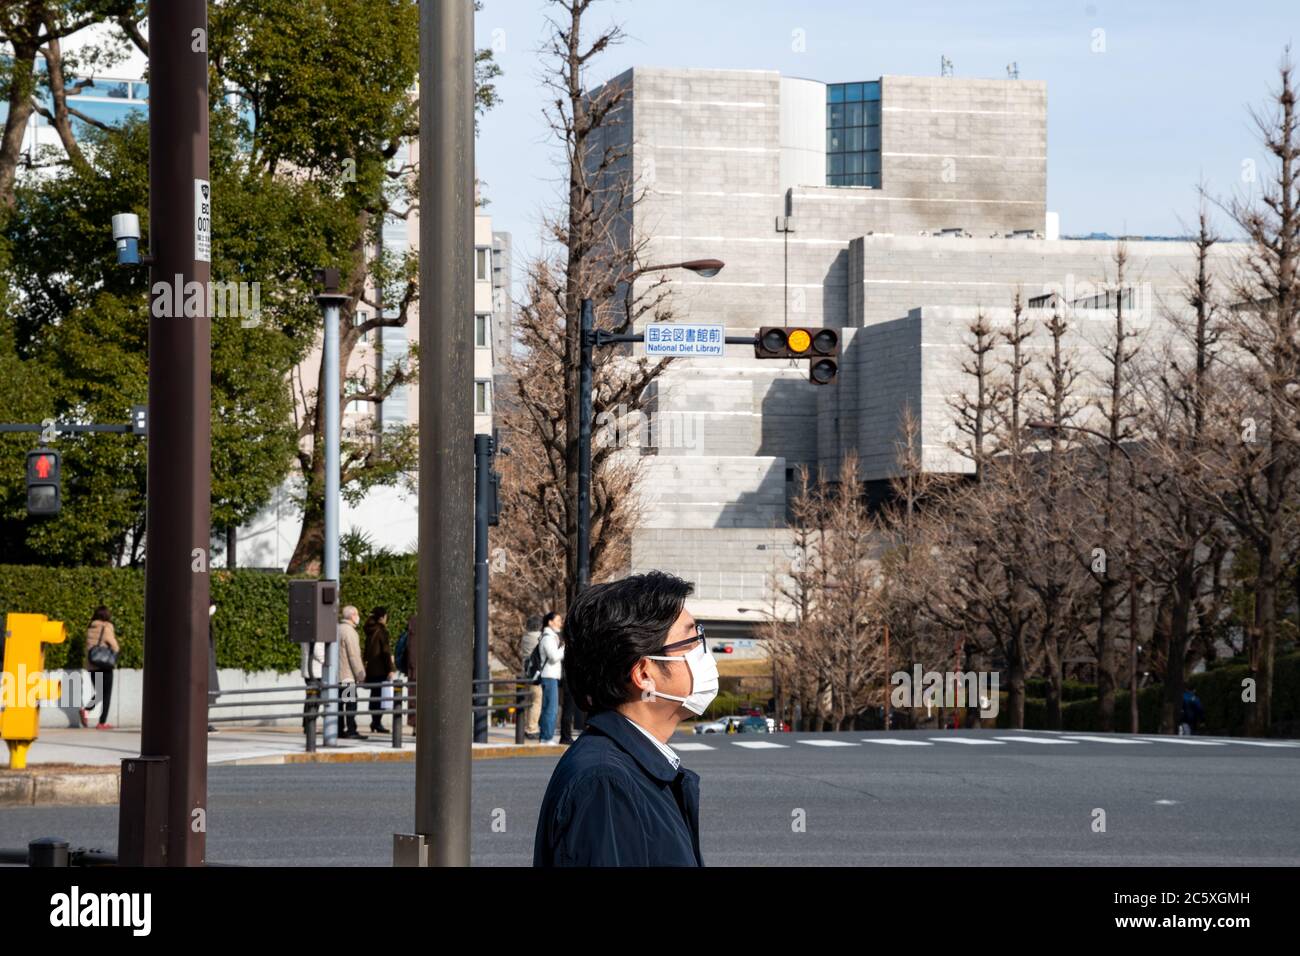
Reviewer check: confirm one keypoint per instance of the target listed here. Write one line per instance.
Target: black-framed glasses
(688, 643)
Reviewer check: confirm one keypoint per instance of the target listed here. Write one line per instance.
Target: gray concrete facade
(726, 158)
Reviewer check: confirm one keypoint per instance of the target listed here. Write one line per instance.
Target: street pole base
(142, 816)
(410, 849)
(18, 753)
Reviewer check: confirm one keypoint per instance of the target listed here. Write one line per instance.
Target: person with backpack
(101, 658)
(1193, 712)
(380, 665)
(531, 654)
(552, 654)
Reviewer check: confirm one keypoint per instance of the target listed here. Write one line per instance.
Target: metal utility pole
(163, 816)
(330, 301)
(446, 583)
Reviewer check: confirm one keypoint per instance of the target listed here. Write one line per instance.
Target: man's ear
(641, 680)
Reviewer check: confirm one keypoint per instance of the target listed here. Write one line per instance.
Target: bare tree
(1257, 447)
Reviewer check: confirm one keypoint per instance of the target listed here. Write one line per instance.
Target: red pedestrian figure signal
(43, 493)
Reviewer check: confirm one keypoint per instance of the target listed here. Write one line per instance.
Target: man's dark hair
(534, 623)
(611, 626)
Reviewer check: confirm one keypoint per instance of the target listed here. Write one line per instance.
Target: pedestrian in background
(532, 671)
(380, 665)
(412, 656)
(214, 679)
(101, 658)
(552, 645)
(352, 671)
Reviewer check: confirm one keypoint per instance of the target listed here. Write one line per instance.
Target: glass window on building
(483, 263)
(481, 330)
(853, 134)
(482, 397)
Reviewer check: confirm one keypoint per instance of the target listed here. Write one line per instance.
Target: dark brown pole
(179, 479)
(446, 575)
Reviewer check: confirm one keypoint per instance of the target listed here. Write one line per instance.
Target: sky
(1145, 98)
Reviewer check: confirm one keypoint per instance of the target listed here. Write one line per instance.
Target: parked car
(753, 725)
(718, 726)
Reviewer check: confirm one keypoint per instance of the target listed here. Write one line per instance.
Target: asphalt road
(971, 798)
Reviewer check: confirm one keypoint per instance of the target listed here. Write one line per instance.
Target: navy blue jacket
(615, 800)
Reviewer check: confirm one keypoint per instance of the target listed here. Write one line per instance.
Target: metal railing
(311, 704)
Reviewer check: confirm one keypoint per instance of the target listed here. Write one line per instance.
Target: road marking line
(1184, 740)
(966, 740)
(691, 746)
(827, 743)
(1039, 740)
(1267, 743)
(1104, 740)
(896, 743)
(758, 744)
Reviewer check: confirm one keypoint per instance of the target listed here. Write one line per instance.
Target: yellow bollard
(23, 682)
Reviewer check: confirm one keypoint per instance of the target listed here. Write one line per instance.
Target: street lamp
(1043, 425)
(706, 268)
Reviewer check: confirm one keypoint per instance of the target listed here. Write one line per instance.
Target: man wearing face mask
(639, 665)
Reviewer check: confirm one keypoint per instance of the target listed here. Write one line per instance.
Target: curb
(31, 788)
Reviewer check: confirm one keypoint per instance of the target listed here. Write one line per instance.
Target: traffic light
(43, 476)
(820, 346)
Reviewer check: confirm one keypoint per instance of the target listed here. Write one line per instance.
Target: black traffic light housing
(820, 346)
(44, 473)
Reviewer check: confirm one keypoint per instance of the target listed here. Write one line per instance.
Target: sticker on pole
(673, 338)
(202, 220)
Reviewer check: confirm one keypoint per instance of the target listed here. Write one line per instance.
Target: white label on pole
(673, 338)
(202, 220)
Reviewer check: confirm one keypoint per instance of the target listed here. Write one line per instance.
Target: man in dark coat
(639, 665)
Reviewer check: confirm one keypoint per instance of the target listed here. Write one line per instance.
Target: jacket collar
(619, 729)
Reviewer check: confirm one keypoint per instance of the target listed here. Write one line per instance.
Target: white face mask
(704, 679)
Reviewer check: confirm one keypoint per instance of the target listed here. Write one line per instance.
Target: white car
(719, 726)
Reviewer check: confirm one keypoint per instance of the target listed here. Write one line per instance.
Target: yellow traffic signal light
(23, 682)
(822, 346)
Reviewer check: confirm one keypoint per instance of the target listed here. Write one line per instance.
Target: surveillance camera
(126, 234)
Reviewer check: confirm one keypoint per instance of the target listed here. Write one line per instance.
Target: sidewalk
(261, 745)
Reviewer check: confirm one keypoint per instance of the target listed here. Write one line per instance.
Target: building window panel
(482, 397)
(483, 263)
(481, 330)
(836, 93)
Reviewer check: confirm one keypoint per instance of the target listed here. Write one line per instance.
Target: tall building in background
(890, 209)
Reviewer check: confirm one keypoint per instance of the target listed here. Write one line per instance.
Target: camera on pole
(820, 346)
(43, 478)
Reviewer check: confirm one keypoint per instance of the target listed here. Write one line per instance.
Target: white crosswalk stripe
(758, 744)
(690, 746)
(1101, 739)
(827, 743)
(966, 740)
(1185, 740)
(897, 743)
(1039, 740)
(1266, 743)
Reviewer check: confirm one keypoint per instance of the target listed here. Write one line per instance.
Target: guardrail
(487, 696)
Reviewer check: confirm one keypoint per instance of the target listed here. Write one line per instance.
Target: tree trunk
(1105, 658)
(1176, 658)
(22, 87)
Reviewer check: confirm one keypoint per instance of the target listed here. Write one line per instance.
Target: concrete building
(890, 209)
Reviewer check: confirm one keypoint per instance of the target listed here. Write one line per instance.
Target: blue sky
(1131, 130)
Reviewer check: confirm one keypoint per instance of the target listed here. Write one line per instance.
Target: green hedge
(1219, 690)
(250, 627)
